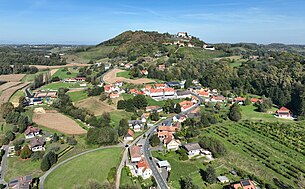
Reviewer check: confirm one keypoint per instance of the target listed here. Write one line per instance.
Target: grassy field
(116, 116)
(151, 102)
(124, 74)
(80, 170)
(250, 113)
(56, 86)
(126, 180)
(199, 53)
(62, 73)
(30, 77)
(78, 95)
(17, 167)
(96, 53)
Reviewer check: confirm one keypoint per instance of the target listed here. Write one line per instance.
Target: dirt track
(59, 122)
(11, 77)
(41, 67)
(5, 95)
(111, 77)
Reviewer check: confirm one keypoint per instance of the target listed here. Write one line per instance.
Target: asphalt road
(3, 166)
(43, 177)
(147, 154)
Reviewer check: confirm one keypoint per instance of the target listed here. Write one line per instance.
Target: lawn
(78, 95)
(57, 85)
(116, 116)
(16, 167)
(62, 73)
(95, 165)
(127, 180)
(124, 74)
(250, 113)
(199, 53)
(96, 53)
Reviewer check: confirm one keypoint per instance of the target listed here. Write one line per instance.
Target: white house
(136, 125)
(37, 144)
(223, 179)
(143, 169)
(135, 154)
(129, 136)
(192, 149)
(164, 164)
(31, 132)
(171, 143)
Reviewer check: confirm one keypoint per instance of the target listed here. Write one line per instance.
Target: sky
(93, 21)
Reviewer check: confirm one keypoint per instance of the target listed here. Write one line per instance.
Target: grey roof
(37, 142)
(222, 178)
(135, 122)
(192, 146)
(181, 92)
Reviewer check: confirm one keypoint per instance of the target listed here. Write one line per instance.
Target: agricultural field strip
(8, 85)
(6, 95)
(286, 164)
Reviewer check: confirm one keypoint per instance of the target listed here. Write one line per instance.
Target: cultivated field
(59, 122)
(8, 85)
(94, 105)
(12, 77)
(5, 95)
(41, 67)
(111, 77)
(78, 171)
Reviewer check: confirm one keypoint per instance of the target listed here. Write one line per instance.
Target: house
(186, 105)
(37, 144)
(164, 164)
(160, 85)
(143, 169)
(136, 125)
(204, 94)
(107, 66)
(256, 100)
(209, 47)
(217, 99)
(190, 45)
(114, 95)
(192, 149)
(182, 34)
(156, 92)
(161, 67)
(243, 184)
(31, 132)
(169, 91)
(171, 143)
(21, 182)
(239, 100)
(284, 112)
(143, 118)
(135, 154)
(179, 118)
(127, 66)
(119, 83)
(179, 43)
(183, 94)
(129, 136)
(144, 72)
(223, 179)
(207, 154)
(173, 84)
(154, 108)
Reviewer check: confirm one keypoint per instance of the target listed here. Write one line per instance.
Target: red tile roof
(283, 109)
(143, 164)
(135, 151)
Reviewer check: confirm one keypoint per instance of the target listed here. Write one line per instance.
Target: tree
(6, 108)
(210, 175)
(25, 152)
(121, 104)
(52, 157)
(55, 137)
(154, 116)
(235, 112)
(140, 101)
(154, 140)
(187, 183)
(248, 101)
(93, 184)
(187, 83)
(123, 127)
(177, 108)
(45, 164)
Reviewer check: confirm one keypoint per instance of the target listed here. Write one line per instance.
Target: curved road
(43, 177)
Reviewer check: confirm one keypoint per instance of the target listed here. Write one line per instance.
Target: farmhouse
(179, 118)
(204, 94)
(284, 112)
(243, 184)
(153, 108)
(171, 143)
(31, 132)
(160, 93)
(135, 154)
(76, 79)
(192, 149)
(160, 85)
(136, 125)
(37, 144)
(218, 99)
(143, 169)
(21, 182)
(114, 95)
(144, 72)
(173, 84)
(183, 94)
(129, 136)
(239, 100)
(186, 105)
(209, 47)
(182, 34)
